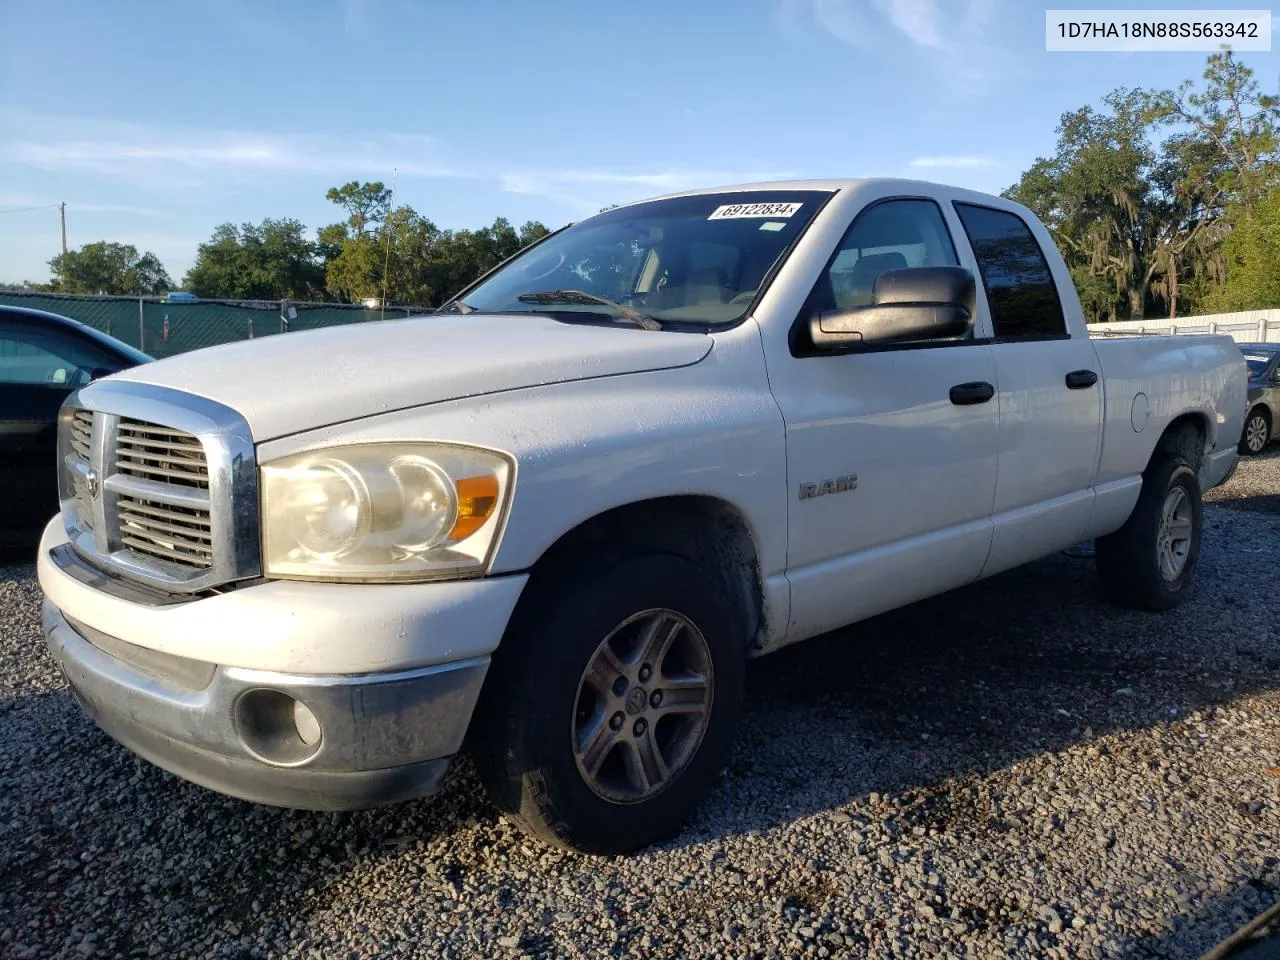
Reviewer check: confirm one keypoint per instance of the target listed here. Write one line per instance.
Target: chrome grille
(178, 534)
(159, 486)
(160, 453)
(81, 433)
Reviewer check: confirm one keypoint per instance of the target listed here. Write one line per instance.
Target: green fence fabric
(163, 329)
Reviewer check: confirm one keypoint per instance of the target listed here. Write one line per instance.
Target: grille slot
(162, 454)
(81, 433)
(177, 534)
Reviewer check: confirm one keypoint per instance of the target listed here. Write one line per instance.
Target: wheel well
(1187, 433)
(707, 530)
(1263, 409)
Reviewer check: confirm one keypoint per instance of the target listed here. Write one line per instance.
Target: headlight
(383, 511)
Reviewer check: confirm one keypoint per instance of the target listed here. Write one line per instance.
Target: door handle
(1081, 379)
(966, 394)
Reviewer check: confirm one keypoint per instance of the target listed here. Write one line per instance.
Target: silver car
(1264, 395)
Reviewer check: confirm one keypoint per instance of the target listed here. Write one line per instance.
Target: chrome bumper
(360, 741)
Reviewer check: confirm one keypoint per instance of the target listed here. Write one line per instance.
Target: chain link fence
(164, 329)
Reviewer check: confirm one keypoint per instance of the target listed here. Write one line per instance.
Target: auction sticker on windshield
(733, 211)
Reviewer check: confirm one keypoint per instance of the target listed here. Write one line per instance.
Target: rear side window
(1024, 301)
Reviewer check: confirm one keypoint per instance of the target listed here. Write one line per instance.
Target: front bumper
(382, 737)
(208, 688)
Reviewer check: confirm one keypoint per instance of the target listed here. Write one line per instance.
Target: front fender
(582, 448)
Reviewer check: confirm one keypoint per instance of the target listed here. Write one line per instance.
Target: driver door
(903, 466)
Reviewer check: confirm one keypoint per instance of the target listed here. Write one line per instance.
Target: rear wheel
(1149, 562)
(612, 703)
(1257, 432)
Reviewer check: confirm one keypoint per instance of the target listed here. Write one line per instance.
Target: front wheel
(612, 703)
(1148, 563)
(1257, 432)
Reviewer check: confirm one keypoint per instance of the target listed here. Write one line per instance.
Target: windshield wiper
(581, 296)
(456, 306)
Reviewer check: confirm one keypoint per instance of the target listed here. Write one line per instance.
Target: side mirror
(97, 373)
(907, 306)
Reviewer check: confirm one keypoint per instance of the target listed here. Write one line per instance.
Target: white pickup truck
(555, 518)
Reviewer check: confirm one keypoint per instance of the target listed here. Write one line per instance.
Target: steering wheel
(559, 262)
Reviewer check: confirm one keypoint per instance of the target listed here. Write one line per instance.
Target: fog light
(277, 728)
(307, 725)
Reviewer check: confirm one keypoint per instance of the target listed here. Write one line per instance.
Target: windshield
(1257, 363)
(698, 259)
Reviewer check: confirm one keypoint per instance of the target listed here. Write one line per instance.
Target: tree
(1097, 197)
(401, 255)
(1235, 124)
(1142, 221)
(367, 204)
(105, 267)
(1252, 255)
(273, 260)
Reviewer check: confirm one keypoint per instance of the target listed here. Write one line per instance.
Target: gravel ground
(1012, 769)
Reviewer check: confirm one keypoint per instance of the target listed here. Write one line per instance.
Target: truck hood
(293, 382)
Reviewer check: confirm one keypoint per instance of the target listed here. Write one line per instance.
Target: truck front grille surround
(159, 486)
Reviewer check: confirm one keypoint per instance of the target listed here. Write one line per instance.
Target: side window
(888, 236)
(35, 358)
(1020, 290)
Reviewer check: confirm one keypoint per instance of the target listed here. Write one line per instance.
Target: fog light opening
(277, 728)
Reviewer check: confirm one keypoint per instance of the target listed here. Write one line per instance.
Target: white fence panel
(1247, 326)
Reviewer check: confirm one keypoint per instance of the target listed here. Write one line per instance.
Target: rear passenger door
(1050, 395)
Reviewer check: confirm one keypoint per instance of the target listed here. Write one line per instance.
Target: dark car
(1264, 395)
(43, 358)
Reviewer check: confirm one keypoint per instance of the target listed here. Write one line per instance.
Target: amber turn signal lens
(477, 498)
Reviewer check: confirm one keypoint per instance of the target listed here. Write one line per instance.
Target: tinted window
(1258, 363)
(1024, 302)
(33, 356)
(888, 236)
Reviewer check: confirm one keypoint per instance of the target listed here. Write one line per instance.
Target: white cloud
(918, 19)
(589, 189)
(959, 162)
(843, 20)
(954, 33)
(183, 155)
(146, 157)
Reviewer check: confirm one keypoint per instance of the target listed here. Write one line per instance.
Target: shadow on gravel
(1228, 916)
(964, 684)
(1266, 503)
(975, 680)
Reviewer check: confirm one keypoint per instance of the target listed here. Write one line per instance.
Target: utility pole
(63, 207)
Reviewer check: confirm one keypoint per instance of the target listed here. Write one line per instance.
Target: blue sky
(156, 121)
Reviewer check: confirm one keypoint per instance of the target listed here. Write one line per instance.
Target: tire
(1135, 569)
(539, 704)
(1257, 432)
